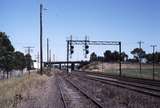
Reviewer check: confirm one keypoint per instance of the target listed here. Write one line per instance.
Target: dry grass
(12, 90)
(130, 70)
(97, 66)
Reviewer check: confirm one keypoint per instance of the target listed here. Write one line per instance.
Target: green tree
(157, 57)
(107, 56)
(100, 58)
(93, 57)
(6, 53)
(20, 61)
(138, 53)
(9, 59)
(5, 43)
(115, 56)
(149, 57)
(124, 56)
(8, 62)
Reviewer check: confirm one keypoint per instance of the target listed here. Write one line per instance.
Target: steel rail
(61, 93)
(147, 91)
(155, 83)
(88, 96)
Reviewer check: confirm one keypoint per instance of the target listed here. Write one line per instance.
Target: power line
(29, 49)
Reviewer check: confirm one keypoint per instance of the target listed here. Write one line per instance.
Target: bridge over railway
(71, 64)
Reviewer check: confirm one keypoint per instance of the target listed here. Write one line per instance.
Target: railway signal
(71, 49)
(86, 49)
(71, 46)
(71, 43)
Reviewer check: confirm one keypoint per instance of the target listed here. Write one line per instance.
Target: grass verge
(12, 90)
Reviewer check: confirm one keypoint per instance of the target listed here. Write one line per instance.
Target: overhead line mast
(140, 59)
(41, 49)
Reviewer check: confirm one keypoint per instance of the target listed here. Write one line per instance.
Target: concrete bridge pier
(72, 66)
(60, 66)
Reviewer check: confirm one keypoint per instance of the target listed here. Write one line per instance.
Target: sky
(128, 21)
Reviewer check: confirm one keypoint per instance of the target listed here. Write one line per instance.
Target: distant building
(36, 65)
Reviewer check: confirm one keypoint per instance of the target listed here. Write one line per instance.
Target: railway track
(61, 93)
(80, 90)
(145, 88)
(124, 78)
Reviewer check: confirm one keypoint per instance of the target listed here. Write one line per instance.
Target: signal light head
(87, 52)
(72, 47)
(72, 51)
(86, 46)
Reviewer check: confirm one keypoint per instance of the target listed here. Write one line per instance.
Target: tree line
(139, 55)
(11, 59)
(109, 56)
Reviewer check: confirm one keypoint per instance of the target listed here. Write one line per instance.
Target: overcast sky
(128, 21)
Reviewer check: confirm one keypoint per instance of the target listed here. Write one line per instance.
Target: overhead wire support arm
(82, 42)
(87, 42)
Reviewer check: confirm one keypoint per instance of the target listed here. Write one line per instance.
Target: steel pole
(153, 63)
(120, 60)
(153, 46)
(41, 49)
(67, 54)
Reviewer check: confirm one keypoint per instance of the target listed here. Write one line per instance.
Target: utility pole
(50, 54)
(37, 61)
(153, 46)
(53, 61)
(47, 50)
(68, 42)
(140, 44)
(41, 49)
(41, 38)
(140, 60)
(29, 49)
(120, 59)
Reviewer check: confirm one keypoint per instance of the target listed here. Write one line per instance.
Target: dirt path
(44, 97)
